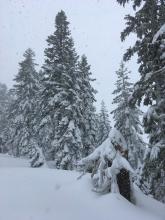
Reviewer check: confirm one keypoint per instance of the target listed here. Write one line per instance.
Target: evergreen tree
(5, 100)
(37, 159)
(88, 112)
(147, 24)
(127, 119)
(148, 18)
(23, 108)
(109, 166)
(60, 102)
(103, 124)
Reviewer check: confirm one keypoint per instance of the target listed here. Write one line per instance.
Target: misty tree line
(53, 109)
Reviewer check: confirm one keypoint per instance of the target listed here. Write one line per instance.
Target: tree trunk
(123, 181)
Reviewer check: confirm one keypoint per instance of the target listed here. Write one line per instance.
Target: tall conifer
(127, 119)
(60, 96)
(22, 110)
(148, 25)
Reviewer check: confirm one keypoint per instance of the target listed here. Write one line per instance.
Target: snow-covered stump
(111, 172)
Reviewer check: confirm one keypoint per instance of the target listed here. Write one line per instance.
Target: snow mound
(106, 149)
(47, 194)
(116, 137)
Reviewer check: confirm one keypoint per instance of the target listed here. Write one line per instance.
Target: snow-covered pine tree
(37, 157)
(127, 119)
(46, 125)
(103, 124)
(22, 110)
(110, 168)
(148, 25)
(153, 89)
(3, 94)
(60, 102)
(87, 97)
(149, 16)
(5, 100)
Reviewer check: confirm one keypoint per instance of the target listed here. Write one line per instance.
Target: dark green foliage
(145, 23)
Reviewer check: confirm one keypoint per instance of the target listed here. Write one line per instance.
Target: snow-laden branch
(159, 33)
(107, 162)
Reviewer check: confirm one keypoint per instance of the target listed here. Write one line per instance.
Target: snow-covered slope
(8, 161)
(48, 194)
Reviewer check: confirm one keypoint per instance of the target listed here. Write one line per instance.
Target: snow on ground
(49, 194)
(8, 161)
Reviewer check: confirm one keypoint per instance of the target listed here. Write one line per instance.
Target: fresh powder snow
(48, 194)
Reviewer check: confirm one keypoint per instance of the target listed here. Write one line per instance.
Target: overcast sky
(95, 26)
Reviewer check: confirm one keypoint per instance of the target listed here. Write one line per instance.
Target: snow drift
(48, 194)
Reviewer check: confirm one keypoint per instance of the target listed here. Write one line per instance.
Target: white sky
(95, 26)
